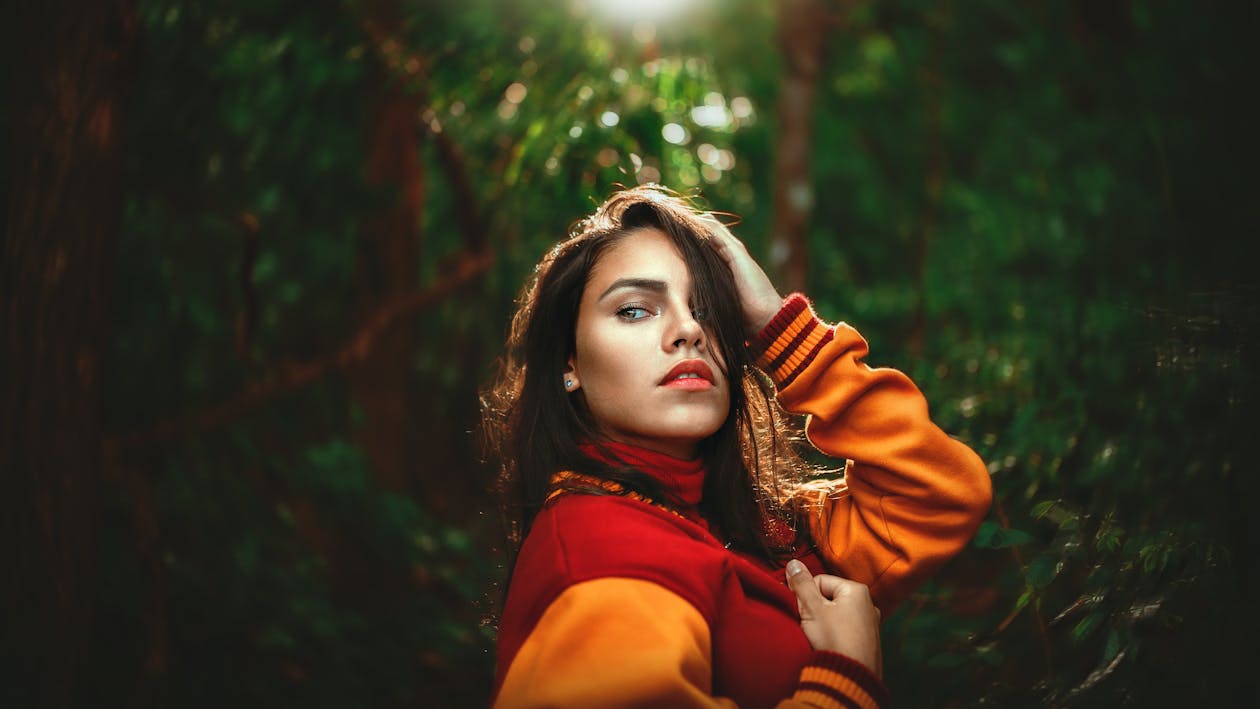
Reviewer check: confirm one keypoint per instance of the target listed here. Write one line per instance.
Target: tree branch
(1033, 602)
(465, 197)
(292, 376)
(409, 67)
(805, 26)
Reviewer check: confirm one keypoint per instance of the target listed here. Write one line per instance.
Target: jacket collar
(684, 479)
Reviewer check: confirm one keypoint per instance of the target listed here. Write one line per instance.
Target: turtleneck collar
(682, 478)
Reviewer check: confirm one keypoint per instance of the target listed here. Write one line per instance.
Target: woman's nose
(687, 331)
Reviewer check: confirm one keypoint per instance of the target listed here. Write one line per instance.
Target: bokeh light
(632, 12)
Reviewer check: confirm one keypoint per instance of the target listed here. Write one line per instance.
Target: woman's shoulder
(581, 537)
(594, 533)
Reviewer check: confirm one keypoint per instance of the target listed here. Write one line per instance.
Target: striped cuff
(786, 346)
(834, 681)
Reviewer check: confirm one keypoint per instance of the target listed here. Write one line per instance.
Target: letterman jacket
(618, 602)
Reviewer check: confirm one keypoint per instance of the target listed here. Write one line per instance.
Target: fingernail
(794, 567)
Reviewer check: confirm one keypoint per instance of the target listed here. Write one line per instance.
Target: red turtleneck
(682, 480)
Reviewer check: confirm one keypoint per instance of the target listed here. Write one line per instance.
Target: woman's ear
(571, 381)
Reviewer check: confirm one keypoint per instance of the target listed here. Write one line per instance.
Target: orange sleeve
(614, 642)
(911, 497)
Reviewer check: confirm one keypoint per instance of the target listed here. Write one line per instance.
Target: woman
(673, 554)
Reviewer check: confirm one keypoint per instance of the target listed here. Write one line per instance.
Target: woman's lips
(689, 375)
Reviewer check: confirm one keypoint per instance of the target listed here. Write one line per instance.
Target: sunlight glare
(632, 11)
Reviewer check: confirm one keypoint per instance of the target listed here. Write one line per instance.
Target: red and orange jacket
(618, 602)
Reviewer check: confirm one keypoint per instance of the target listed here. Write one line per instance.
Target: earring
(568, 384)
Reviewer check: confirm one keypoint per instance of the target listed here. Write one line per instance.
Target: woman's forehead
(642, 254)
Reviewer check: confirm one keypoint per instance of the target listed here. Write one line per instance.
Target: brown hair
(534, 427)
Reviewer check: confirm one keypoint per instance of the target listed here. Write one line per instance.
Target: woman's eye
(633, 312)
(700, 313)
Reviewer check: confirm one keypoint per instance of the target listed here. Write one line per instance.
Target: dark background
(259, 257)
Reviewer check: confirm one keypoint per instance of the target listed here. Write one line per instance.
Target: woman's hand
(757, 295)
(837, 615)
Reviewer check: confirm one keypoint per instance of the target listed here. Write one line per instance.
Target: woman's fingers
(802, 583)
(837, 615)
(829, 585)
(832, 587)
(758, 297)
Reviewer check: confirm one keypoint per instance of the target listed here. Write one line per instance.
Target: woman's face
(642, 359)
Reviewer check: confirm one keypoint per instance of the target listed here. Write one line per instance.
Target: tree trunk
(802, 37)
(934, 172)
(65, 61)
(388, 267)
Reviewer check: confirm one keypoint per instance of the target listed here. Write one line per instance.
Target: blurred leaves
(992, 536)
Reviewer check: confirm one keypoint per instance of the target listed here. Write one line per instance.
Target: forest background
(259, 258)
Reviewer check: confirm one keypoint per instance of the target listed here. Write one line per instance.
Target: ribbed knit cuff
(790, 341)
(834, 681)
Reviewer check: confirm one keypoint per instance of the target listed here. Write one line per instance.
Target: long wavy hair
(534, 428)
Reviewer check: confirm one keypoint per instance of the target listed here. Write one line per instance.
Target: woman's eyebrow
(647, 284)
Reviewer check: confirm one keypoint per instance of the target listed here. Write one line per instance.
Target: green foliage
(1031, 208)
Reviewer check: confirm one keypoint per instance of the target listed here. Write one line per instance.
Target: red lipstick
(689, 374)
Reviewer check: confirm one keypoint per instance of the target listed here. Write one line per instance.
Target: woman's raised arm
(912, 497)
